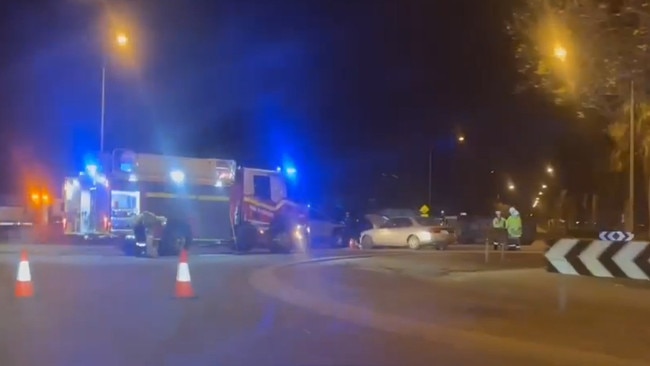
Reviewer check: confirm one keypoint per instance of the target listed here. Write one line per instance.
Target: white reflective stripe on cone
(183, 274)
(24, 274)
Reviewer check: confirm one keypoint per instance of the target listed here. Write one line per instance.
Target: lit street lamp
(461, 138)
(511, 187)
(544, 186)
(549, 170)
(121, 40)
(560, 52)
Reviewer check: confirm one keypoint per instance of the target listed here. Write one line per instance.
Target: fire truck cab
(193, 200)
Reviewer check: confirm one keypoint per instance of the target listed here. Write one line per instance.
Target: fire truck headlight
(298, 232)
(177, 176)
(301, 231)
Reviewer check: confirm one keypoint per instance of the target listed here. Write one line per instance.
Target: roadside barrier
(599, 258)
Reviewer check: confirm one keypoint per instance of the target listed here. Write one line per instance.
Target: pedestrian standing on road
(514, 228)
(498, 232)
(498, 222)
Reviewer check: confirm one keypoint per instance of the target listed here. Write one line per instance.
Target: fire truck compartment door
(207, 214)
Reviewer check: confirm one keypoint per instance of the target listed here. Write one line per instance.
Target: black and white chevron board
(600, 258)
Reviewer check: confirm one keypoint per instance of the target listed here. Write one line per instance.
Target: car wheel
(413, 242)
(366, 242)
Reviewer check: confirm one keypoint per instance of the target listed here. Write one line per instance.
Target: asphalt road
(336, 307)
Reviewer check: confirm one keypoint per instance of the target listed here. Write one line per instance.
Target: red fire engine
(211, 201)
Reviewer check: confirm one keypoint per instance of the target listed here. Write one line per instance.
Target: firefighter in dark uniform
(143, 229)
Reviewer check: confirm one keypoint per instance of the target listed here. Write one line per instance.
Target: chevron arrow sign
(615, 235)
(600, 258)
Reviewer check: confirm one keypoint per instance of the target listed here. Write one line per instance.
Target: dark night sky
(347, 89)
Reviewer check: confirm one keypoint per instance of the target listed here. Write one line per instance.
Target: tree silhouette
(590, 55)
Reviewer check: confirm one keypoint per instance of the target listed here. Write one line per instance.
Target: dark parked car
(353, 226)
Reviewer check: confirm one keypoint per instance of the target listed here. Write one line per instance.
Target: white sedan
(411, 232)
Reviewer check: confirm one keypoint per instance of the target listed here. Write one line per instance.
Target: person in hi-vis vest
(514, 228)
(498, 222)
(498, 232)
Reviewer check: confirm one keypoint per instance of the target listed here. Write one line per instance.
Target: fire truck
(196, 200)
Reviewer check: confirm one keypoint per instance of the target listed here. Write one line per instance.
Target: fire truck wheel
(175, 238)
(245, 237)
(282, 243)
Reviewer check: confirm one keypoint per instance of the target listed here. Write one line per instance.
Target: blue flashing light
(91, 169)
(291, 171)
(278, 169)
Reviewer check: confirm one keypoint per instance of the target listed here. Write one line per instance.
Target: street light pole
(632, 151)
(121, 40)
(103, 111)
(460, 139)
(430, 173)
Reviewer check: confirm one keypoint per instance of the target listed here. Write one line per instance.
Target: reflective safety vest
(499, 223)
(514, 227)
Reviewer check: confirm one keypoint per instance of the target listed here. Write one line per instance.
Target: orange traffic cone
(184, 288)
(24, 287)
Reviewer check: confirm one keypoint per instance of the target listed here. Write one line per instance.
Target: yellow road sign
(424, 209)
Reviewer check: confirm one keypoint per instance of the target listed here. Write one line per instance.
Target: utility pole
(430, 174)
(630, 219)
(103, 111)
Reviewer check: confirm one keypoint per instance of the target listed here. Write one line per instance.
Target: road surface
(93, 306)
